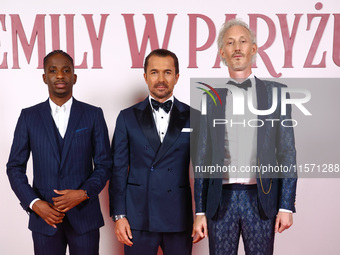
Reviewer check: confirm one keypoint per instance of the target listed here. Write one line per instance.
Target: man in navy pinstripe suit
(70, 148)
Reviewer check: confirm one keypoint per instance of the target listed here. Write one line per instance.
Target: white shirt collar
(55, 108)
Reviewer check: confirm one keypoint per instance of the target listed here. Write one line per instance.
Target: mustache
(237, 53)
(161, 84)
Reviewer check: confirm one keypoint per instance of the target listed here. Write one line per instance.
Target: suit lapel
(75, 116)
(48, 122)
(145, 119)
(178, 117)
(218, 112)
(262, 104)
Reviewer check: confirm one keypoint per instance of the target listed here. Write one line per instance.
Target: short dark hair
(162, 53)
(55, 52)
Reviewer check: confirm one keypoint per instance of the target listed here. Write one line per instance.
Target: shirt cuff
(32, 203)
(200, 213)
(285, 210)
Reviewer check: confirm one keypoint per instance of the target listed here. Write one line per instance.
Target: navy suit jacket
(150, 180)
(275, 147)
(85, 162)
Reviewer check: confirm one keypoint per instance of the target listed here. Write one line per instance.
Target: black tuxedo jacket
(150, 181)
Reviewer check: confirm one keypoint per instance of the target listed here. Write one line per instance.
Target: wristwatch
(118, 217)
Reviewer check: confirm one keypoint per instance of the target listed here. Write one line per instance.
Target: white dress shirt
(161, 118)
(61, 115)
(242, 139)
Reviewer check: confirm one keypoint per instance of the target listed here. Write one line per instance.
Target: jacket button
(169, 190)
(169, 169)
(152, 168)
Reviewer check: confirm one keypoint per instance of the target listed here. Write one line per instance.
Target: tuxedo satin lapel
(147, 124)
(75, 116)
(262, 104)
(176, 124)
(48, 121)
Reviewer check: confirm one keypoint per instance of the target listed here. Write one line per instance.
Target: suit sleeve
(102, 159)
(286, 156)
(202, 157)
(17, 163)
(118, 182)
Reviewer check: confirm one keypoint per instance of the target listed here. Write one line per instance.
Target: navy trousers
(79, 244)
(238, 214)
(147, 243)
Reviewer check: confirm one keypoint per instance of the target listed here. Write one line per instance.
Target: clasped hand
(68, 199)
(54, 213)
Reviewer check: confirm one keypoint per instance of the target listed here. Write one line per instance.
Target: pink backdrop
(109, 39)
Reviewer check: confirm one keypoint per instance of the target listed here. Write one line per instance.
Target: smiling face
(238, 50)
(59, 77)
(161, 77)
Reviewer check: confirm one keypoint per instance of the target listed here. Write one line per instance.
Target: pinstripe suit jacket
(85, 162)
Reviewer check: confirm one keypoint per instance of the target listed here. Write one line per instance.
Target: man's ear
(177, 77)
(254, 49)
(75, 79)
(221, 53)
(44, 78)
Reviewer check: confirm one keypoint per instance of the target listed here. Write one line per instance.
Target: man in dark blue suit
(72, 162)
(150, 196)
(256, 204)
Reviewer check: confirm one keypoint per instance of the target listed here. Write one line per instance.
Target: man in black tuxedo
(150, 196)
(254, 205)
(72, 163)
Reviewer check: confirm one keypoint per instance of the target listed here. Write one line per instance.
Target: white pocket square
(186, 130)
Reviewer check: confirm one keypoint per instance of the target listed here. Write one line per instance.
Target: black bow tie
(244, 85)
(166, 106)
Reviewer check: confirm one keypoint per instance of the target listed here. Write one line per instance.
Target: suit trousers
(239, 214)
(79, 244)
(147, 243)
